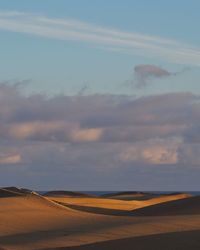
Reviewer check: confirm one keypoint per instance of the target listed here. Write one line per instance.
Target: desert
(61, 220)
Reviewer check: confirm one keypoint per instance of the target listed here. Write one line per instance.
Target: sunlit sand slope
(96, 204)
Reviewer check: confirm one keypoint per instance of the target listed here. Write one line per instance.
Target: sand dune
(130, 195)
(13, 191)
(112, 206)
(191, 205)
(31, 221)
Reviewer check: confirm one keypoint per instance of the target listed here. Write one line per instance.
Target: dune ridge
(13, 191)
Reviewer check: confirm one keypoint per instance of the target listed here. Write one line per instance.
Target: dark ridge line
(67, 193)
(124, 193)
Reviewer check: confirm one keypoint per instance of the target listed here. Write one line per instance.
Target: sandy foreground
(31, 221)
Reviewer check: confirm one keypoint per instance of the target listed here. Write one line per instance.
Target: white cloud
(98, 131)
(86, 135)
(152, 152)
(10, 159)
(114, 39)
(123, 141)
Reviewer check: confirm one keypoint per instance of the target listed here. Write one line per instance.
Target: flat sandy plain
(69, 220)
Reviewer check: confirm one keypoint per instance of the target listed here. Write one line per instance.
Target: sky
(100, 95)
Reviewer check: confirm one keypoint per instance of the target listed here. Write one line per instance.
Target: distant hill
(130, 195)
(66, 193)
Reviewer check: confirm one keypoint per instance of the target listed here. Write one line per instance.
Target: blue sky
(100, 94)
(55, 65)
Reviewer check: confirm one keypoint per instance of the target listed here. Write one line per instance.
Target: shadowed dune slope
(170, 241)
(191, 205)
(13, 191)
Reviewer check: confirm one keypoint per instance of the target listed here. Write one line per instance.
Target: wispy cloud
(145, 72)
(110, 38)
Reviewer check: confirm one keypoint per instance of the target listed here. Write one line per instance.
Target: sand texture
(62, 221)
